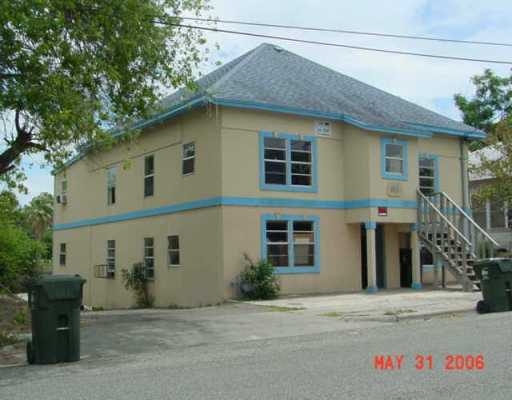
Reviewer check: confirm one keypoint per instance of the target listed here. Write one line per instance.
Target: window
(189, 156)
(111, 185)
(149, 176)
(498, 212)
(287, 162)
(62, 254)
(111, 258)
(173, 250)
(62, 197)
(290, 243)
(394, 159)
(428, 174)
(149, 258)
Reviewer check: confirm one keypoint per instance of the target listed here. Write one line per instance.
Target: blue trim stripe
(291, 269)
(241, 202)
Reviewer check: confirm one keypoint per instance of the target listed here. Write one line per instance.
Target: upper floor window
(189, 157)
(394, 159)
(149, 175)
(428, 174)
(111, 258)
(111, 185)
(149, 257)
(287, 162)
(62, 254)
(173, 250)
(62, 196)
(291, 243)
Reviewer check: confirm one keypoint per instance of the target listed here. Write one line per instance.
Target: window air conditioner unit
(64, 199)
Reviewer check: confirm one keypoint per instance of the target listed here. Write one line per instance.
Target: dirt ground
(14, 321)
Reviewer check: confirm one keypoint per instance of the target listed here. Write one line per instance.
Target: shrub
(137, 281)
(257, 280)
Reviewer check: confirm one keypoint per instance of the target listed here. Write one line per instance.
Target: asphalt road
(331, 365)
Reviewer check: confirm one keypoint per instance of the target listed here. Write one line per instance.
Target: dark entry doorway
(405, 268)
(379, 244)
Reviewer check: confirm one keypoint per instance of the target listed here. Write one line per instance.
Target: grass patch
(7, 339)
(283, 309)
(332, 314)
(400, 311)
(14, 319)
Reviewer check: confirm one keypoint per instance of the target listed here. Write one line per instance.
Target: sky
(428, 82)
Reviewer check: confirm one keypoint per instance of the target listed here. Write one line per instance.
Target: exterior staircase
(452, 236)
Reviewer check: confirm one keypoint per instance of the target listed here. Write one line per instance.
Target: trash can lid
(61, 287)
(502, 264)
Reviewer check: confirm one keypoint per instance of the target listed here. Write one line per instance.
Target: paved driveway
(117, 333)
(387, 302)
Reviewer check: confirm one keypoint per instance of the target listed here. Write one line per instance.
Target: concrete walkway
(384, 305)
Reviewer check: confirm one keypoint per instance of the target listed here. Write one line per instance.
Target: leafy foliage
(136, 280)
(71, 70)
(490, 109)
(22, 255)
(258, 281)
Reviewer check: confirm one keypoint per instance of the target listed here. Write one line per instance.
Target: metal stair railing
(444, 238)
(465, 223)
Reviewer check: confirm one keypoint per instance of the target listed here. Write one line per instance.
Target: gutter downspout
(465, 176)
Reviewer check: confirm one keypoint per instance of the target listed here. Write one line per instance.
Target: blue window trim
(435, 157)
(289, 187)
(389, 175)
(314, 269)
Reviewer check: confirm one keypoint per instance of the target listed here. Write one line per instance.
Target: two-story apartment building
(274, 156)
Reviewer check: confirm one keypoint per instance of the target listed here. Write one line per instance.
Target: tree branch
(22, 143)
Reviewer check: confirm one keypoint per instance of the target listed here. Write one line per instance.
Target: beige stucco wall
(214, 239)
(340, 250)
(87, 178)
(198, 281)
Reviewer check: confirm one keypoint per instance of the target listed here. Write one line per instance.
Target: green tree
(20, 254)
(490, 109)
(72, 70)
(38, 214)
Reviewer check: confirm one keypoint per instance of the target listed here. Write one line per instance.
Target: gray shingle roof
(269, 77)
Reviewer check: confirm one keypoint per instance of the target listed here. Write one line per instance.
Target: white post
(416, 262)
(371, 256)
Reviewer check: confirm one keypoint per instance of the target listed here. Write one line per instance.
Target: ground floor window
(62, 254)
(111, 258)
(149, 257)
(291, 243)
(173, 250)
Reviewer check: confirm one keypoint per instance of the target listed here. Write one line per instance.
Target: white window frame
(111, 259)
(63, 251)
(111, 185)
(152, 258)
(171, 251)
(187, 157)
(149, 175)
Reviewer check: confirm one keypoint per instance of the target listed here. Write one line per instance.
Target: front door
(405, 268)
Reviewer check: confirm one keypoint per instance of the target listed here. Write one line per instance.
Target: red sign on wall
(382, 211)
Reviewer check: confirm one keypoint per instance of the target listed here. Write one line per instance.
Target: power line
(345, 31)
(347, 46)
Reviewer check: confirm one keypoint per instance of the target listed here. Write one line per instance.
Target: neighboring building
(275, 156)
(491, 214)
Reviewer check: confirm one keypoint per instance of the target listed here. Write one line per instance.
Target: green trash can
(54, 303)
(495, 275)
